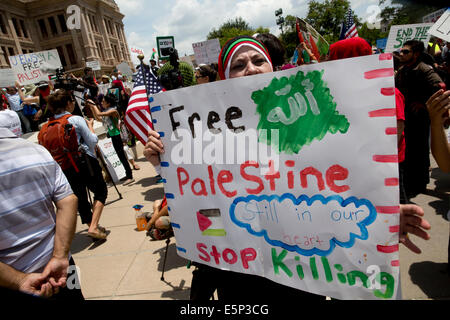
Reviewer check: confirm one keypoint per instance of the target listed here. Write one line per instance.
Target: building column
(85, 32)
(3, 62)
(128, 57)
(30, 24)
(103, 30)
(13, 33)
(78, 49)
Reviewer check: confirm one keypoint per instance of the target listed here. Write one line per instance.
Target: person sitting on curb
(159, 227)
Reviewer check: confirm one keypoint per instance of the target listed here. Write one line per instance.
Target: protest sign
(398, 35)
(95, 65)
(125, 69)
(112, 161)
(135, 52)
(164, 43)
(206, 52)
(103, 88)
(291, 175)
(7, 78)
(441, 28)
(434, 16)
(34, 67)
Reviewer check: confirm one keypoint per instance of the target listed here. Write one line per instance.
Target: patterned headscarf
(232, 46)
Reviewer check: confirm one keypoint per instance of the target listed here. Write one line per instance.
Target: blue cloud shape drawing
(309, 201)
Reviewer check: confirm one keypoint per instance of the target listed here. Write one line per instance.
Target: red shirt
(400, 106)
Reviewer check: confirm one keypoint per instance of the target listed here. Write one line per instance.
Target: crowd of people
(35, 240)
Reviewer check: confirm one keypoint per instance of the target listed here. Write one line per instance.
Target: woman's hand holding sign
(153, 148)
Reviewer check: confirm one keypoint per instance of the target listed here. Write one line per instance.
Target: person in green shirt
(111, 118)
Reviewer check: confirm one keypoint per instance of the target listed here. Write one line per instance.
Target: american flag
(348, 27)
(138, 118)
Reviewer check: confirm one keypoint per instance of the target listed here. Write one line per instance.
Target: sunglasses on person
(405, 51)
(199, 76)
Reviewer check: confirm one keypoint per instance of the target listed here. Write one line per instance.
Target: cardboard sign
(125, 69)
(7, 78)
(112, 161)
(206, 52)
(103, 88)
(95, 65)
(291, 175)
(398, 35)
(34, 67)
(135, 52)
(434, 16)
(441, 28)
(163, 44)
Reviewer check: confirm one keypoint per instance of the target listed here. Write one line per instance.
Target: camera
(173, 79)
(67, 83)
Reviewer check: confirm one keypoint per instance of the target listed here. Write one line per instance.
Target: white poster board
(125, 69)
(206, 52)
(112, 161)
(398, 35)
(135, 52)
(95, 65)
(441, 28)
(291, 175)
(7, 78)
(34, 67)
(103, 88)
(434, 16)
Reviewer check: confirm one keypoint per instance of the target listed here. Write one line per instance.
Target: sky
(190, 21)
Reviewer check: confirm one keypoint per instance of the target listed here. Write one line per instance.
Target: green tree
(289, 37)
(232, 28)
(371, 35)
(407, 11)
(327, 17)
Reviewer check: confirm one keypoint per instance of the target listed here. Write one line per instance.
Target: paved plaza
(128, 265)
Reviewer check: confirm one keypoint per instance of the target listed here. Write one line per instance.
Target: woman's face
(105, 104)
(248, 61)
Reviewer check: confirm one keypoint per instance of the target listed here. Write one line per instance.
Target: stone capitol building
(28, 26)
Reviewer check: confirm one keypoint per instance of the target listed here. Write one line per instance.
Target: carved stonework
(36, 25)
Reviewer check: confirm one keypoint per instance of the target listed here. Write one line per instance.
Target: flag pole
(141, 58)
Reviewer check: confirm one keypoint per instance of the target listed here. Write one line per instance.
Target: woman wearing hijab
(241, 56)
(245, 56)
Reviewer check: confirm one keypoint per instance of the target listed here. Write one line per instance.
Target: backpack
(58, 136)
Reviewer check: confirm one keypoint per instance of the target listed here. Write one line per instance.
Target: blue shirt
(86, 139)
(14, 102)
